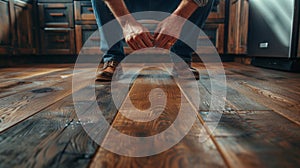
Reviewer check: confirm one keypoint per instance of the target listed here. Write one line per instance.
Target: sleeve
(201, 3)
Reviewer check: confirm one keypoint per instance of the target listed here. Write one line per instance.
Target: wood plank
(27, 71)
(207, 102)
(263, 74)
(250, 138)
(234, 99)
(281, 84)
(277, 104)
(18, 75)
(187, 153)
(14, 86)
(20, 106)
(278, 91)
(54, 137)
(274, 89)
(245, 92)
(257, 139)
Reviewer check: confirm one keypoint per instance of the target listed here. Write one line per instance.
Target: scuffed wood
(187, 153)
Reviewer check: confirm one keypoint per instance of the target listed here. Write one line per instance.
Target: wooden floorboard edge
(29, 78)
(6, 128)
(282, 114)
(219, 148)
(65, 94)
(111, 123)
(286, 117)
(221, 152)
(114, 119)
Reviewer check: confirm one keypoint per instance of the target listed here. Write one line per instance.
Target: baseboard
(277, 63)
(10, 61)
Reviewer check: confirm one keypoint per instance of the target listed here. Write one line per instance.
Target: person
(137, 36)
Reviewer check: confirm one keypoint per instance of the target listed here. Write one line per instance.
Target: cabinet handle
(90, 9)
(60, 40)
(95, 39)
(57, 14)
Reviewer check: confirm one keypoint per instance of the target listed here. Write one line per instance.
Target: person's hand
(168, 31)
(136, 35)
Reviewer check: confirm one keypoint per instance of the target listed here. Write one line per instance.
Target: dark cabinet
(88, 33)
(84, 12)
(85, 26)
(25, 30)
(56, 15)
(238, 27)
(5, 28)
(56, 22)
(17, 35)
(217, 13)
(215, 32)
(214, 29)
(57, 41)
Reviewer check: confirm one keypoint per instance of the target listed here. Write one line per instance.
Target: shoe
(195, 72)
(107, 72)
(179, 67)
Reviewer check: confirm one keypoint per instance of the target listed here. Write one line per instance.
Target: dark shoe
(195, 73)
(107, 72)
(178, 67)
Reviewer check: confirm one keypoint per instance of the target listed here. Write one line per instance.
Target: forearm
(119, 9)
(186, 8)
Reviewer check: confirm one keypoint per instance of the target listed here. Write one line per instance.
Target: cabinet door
(215, 33)
(5, 28)
(83, 12)
(24, 28)
(217, 13)
(56, 15)
(87, 39)
(238, 27)
(57, 41)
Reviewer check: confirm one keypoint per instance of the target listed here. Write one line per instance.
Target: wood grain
(274, 89)
(187, 153)
(14, 86)
(258, 127)
(54, 137)
(252, 139)
(234, 99)
(20, 106)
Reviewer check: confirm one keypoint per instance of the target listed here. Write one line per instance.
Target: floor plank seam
(221, 152)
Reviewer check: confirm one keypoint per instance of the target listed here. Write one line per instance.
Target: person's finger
(131, 43)
(139, 42)
(156, 32)
(170, 43)
(147, 40)
(163, 42)
(150, 36)
(131, 46)
(158, 39)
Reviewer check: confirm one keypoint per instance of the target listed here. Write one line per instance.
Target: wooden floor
(260, 126)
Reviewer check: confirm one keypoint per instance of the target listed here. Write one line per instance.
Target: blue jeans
(116, 53)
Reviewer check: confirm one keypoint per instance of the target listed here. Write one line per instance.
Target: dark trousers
(115, 51)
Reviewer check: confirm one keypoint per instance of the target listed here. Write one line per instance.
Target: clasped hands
(165, 35)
